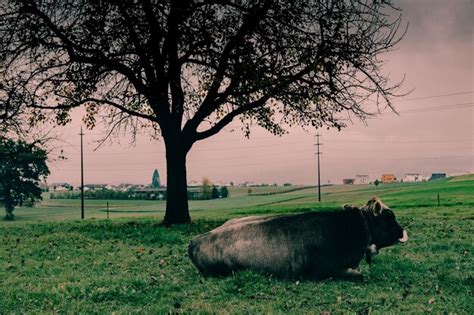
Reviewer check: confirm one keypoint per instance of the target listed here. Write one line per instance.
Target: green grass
(135, 265)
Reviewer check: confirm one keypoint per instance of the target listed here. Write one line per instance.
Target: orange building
(388, 178)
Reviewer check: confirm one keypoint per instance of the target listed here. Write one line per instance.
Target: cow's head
(385, 229)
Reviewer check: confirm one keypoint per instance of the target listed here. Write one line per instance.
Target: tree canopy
(185, 69)
(22, 167)
(224, 192)
(214, 192)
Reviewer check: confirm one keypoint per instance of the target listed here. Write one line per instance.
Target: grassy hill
(51, 262)
(263, 200)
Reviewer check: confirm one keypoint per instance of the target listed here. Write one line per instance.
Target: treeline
(107, 194)
(212, 193)
(100, 194)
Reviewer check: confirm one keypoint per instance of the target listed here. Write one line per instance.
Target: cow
(311, 245)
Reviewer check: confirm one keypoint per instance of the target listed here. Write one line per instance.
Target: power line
(436, 96)
(441, 107)
(127, 160)
(401, 100)
(278, 145)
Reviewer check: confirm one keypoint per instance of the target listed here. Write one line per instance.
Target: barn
(436, 176)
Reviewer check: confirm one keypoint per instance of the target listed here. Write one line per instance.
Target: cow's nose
(404, 237)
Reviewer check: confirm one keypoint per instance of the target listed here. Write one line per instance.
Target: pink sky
(434, 132)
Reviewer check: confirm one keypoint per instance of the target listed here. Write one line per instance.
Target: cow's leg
(370, 252)
(352, 274)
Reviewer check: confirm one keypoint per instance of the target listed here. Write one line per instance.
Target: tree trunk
(9, 208)
(177, 209)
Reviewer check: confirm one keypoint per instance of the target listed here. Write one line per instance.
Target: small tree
(22, 166)
(376, 183)
(214, 192)
(206, 188)
(224, 192)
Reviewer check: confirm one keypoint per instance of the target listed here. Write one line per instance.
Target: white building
(59, 187)
(412, 177)
(194, 183)
(361, 179)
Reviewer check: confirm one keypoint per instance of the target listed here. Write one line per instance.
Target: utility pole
(82, 177)
(318, 153)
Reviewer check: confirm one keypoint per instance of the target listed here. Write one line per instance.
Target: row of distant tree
(210, 191)
(97, 194)
(205, 193)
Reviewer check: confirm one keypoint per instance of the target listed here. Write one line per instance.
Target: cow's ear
(378, 208)
(371, 201)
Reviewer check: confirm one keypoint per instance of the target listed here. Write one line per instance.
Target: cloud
(437, 21)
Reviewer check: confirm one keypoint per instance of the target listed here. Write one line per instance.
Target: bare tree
(186, 69)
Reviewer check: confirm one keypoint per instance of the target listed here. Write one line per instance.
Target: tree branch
(77, 103)
(97, 58)
(174, 68)
(209, 105)
(143, 58)
(229, 117)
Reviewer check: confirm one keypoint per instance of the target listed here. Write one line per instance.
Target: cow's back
(308, 244)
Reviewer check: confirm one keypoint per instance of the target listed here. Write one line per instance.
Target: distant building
(388, 178)
(412, 177)
(161, 193)
(247, 184)
(436, 176)
(125, 187)
(60, 187)
(150, 193)
(362, 179)
(95, 186)
(194, 193)
(348, 181)
(194, 183)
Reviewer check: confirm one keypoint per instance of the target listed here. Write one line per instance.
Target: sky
(434, 131)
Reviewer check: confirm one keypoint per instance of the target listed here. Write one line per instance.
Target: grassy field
(52, 263)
